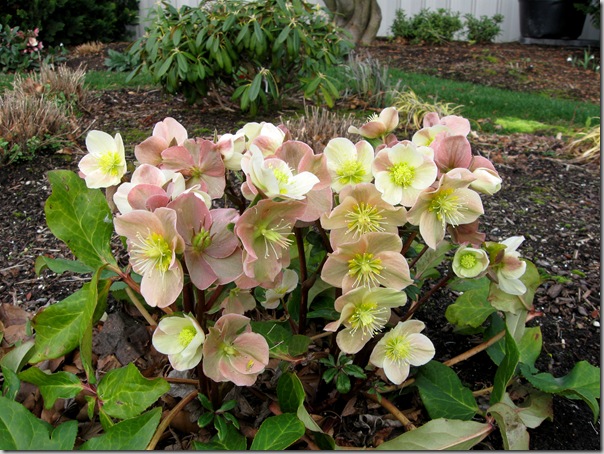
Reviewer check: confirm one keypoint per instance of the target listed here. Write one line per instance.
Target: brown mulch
(556, 205)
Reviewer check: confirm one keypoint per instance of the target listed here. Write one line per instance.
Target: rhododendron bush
(260, 263)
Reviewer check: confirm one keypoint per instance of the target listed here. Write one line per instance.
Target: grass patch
(108, 80)
(487, 105)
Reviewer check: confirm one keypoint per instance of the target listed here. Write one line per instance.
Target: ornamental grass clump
(296, 278)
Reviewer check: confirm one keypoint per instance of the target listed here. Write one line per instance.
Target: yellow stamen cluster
(446, 205)
(276, 237)
(186, 336)
(366, 269)
(468, 261)
(398, 349)
(368, 317)
(151, 253)
(364, 218)
(351, 172)
(402, 174)
(110, 163)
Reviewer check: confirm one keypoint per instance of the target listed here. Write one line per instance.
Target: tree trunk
(361, 18)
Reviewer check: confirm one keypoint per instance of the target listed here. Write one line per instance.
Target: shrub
(74, 22)
(19, 50)
(39, 113)
(257, 52)
(367, 81)
(483, 30)
(427, 26)
(121, 61)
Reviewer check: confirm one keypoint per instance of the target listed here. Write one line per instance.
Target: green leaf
(290, 393)
(530, 345)
(233, 441)
(431, 259)
(278, 432)
(535, 408)
(276, 336)
(163, 69)
(506, 369)
(21, 430)
(205, 419)
(11, 385)
(255, 87)
(80, 217)
(18, 356)
(343, 383)
(129, 435)
(582, 382)
(60, 266)
(62, 385)
(470, 309)
(443, 394)
(440, 434)
(125, 393)
(298, 345)
(513, 431)
(60, 327)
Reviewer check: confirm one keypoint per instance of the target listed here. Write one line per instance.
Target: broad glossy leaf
(60, 266)
(125, 393)
(276, 336)
(18, 356)
(233, 441)
(506, 369)
(290, 393)
(443, 394)
(440, 434)
(515, 303)
(582, 382)
(298, 345)
(535, 408)
(61, 385)
(512, 429)
(470, 309)
(21, 430)
(11, 385)
(278, 432)
(80, 217)
(129, 435)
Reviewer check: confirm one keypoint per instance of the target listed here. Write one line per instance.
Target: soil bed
(553, 203)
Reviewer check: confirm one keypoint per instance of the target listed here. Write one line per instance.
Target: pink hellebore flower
(451, 125)
(363, 311)
(166, 133)
(200, 163)
(181, 338)
(451, 152)
(450, 203)
(487, 180)
(238, 301)
(361, 210)
(266, 136)
(373, 260)
(153, 243)
(403, 172)
(264, 231)
(403, 346)
(212, 252)
(378, 126)
(105, 163)
(232, 352)
(231, 147)
(348, 163)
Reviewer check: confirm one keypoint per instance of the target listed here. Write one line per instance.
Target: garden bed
(553, 203)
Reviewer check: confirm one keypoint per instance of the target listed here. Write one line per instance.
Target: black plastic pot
(550, 19)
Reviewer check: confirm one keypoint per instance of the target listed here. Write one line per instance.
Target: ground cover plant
(340, 369)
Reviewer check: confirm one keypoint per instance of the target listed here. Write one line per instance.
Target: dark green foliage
(483, 30)
(72, 22)
(427, 26)
(254, 51)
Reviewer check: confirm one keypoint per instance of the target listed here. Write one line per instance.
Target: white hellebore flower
(469, 262)
(348, 163)
(105, 163)
(275, 178)
(181, 338)
(511, 268)
(403, 346)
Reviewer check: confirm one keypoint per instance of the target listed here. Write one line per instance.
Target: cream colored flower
(181, 338)
(105, 163)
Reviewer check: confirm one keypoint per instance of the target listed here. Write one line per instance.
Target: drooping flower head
(232, 352)
(361, 210)
(238, 301)
(470, 262)
(507, 265)
(266, 136)
(487, 180)
(348, 163)
(212, 251)
(364, 312)
(372, 261)
(166, 134)
(265, 230)
(153, 243)
(378, 127)
(181, 338)
(105, 163)
(403, 346)
(285, 284)
(451, 203)
(403, 172)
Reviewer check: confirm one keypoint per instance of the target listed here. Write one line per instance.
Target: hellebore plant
(255, 260)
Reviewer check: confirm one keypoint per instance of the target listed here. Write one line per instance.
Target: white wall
(508, 8)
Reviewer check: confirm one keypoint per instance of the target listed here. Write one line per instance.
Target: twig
(408, 425)
(303, 277)
(140, 307)
(475, 350)
(168, 419)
